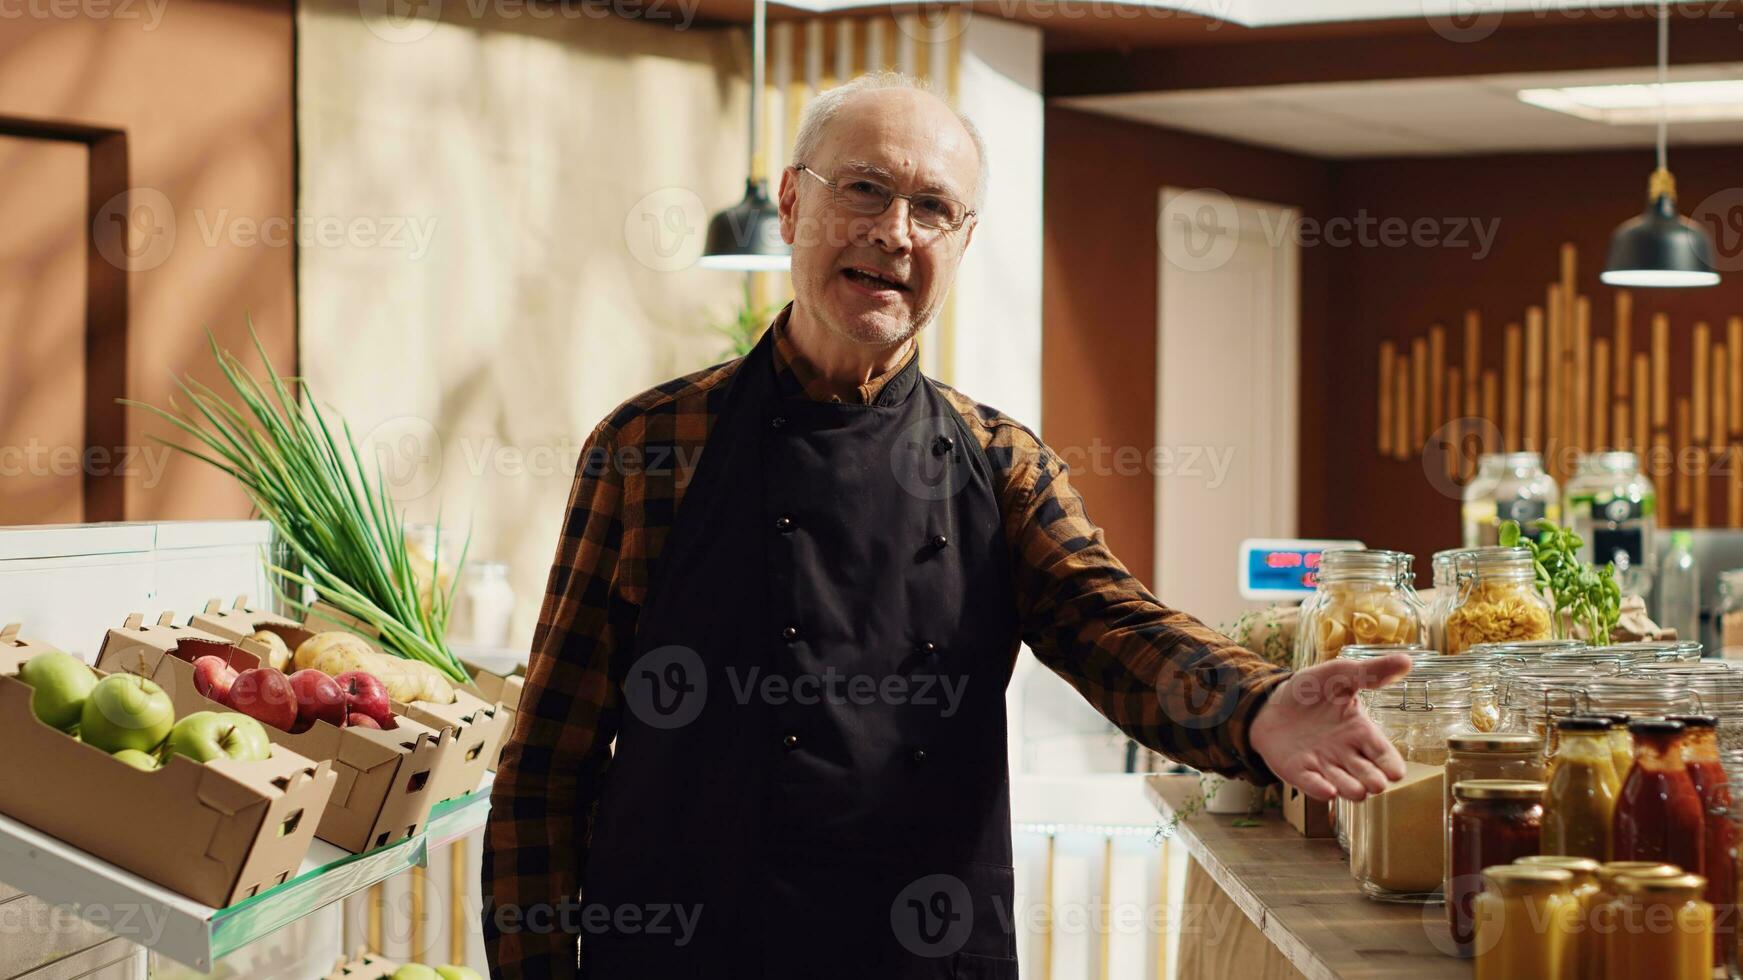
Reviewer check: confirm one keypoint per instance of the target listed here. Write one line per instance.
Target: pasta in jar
(1363, 597)
(1498, 601)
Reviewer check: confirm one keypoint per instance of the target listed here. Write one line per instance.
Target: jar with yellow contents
(1586, 959)
(1363, 597)
(1660, 928)
(1498, 600)
(1583, 787)
(1525, 922)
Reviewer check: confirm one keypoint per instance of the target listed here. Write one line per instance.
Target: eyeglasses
(863, 195)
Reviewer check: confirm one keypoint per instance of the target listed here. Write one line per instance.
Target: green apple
(415, 971)
(126, 711)
(138, 759)
(60, 684)
(207, 735)
(451, 972)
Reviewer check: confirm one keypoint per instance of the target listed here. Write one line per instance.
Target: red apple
(365, 694)
(213, 678)
(357, 719)
(265, 695)
(319, 698)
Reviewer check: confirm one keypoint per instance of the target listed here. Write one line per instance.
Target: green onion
(340, 522)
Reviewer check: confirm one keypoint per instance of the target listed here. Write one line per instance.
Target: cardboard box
(504, 692)
(386, 780)
(366, 966)
(1309, 817)
(218, 832)
(481, 723)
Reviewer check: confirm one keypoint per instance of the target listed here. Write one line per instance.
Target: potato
(312, 648)
(278, 652)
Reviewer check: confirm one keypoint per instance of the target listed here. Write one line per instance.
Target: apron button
(778, 421)
(790, 634)
(928, 648)
(784, 524)
(789, 742)
(942, 445)
(919, 756)
(939, 541)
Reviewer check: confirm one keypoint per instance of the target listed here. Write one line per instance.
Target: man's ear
(973, 223)
(788, 200)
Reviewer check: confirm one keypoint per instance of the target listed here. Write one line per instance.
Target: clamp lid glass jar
(1613, 507)
(1507, 487)
(1497, 600)
(1361, 597)
(1659, 651)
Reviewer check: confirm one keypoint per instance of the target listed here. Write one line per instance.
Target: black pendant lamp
(747, 236)
(1661, 248)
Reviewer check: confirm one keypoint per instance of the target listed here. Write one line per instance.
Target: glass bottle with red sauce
(1493, 821)
(1701, 758)
(1659, 816)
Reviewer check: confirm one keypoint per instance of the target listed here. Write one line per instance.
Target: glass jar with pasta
(1444, 592)
(1361, 597)
(1497, 600)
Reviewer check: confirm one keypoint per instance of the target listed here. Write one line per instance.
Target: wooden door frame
(106, 309)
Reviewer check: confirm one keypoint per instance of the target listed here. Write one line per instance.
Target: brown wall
(1102, 190)
(1103, 176)
(192, 103)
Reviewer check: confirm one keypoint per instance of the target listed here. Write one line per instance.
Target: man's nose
(892, 231)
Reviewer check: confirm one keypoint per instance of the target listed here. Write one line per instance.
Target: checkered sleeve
(1162, 676)
(549, 778)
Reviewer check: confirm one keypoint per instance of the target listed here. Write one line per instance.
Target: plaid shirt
(1163, 677)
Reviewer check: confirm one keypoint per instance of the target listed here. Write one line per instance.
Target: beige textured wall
(492, 285)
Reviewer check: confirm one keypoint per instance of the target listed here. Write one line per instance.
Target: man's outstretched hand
(1314, 736)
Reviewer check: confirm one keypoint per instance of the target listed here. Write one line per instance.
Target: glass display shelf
(197, 935)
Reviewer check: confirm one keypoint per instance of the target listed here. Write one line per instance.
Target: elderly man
(800, 639)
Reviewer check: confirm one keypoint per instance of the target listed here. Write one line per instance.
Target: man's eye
(932, 205)
(865, 187)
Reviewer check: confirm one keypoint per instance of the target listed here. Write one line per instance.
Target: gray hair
(822, 109)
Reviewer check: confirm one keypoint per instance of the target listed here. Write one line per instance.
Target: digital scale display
(1283, 568)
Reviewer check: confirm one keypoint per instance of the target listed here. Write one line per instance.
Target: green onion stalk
(340, 522)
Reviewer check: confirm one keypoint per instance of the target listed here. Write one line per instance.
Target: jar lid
(1659, 649)
(1582, 723)
(1496, 744)
(1424, 692)
(1368, 651)
(1498, 789)
(1525, 876)
(1493, 557)
(1633, 884)
(1695, 721)
(1566, 862)
(1609, 871)
(1655, 726)
(1527, 648)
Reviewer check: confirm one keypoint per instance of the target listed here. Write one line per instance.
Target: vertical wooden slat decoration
(1698, 420)
(1455, 456)
(1624, 432)
(1533, 379)
(1552, 404)
(1624, 339)
(1680, 438)
(1473, 359)
(1401, 412)
(1388, 355)
(1721, 395)
(1734, 343)
(1491, 411)
(1510, 389)
(1642, 417)
(1582, 358)
(1660, 371)
(1571, 384)
(1418, 392)
(1436, 377)
(1601, 395)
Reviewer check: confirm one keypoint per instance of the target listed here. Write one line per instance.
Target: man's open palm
(1314, 736)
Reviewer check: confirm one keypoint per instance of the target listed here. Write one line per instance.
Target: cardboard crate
(1309, 817)
(503, 691)
(218, 832)
(387, 780)
(481, 724)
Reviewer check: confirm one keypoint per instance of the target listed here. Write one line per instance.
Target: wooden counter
(1300, 894)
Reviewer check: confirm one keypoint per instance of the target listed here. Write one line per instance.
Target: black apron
(810, 777)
